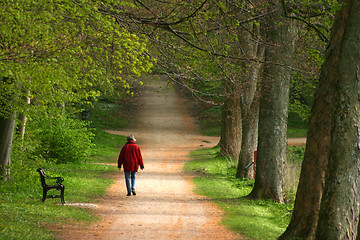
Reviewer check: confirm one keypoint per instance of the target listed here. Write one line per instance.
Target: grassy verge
(253, 219)
(24, 216)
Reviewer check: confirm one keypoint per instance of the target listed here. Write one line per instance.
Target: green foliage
(62, 139)
(210, 119)
(310, 49)
(295, 154)
(65, 51)
(297, 127)
(62, 53)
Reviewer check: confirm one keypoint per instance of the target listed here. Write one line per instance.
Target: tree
(326, 205)
(6, 128)
(231, 126)
(6, 137)
(281, 34)
(63, 52)
(253, 47)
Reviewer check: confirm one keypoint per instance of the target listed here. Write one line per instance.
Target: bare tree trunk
(249, 141)
(230, 141)
(6, 137)
(273, 113)
(23, 119)
(250, 100)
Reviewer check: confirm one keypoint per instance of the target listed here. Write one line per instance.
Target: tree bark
(23, 119)
(333, 142)
(249, 99)
(273, 113)
(230, 141)
(6, 137)
(339, 208)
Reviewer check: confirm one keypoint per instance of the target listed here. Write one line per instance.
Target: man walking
(130, 157)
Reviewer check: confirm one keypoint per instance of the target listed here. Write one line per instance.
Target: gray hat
(131, 137)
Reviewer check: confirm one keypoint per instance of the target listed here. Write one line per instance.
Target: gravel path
(165, 206)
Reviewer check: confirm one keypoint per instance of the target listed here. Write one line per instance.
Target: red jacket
(130, 157)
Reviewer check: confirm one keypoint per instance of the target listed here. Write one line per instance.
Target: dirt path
(165, 206)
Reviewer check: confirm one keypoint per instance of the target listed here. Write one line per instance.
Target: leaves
(65, 51)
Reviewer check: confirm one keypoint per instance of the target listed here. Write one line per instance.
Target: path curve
(165, 206)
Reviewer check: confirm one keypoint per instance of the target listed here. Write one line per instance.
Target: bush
(62, 139)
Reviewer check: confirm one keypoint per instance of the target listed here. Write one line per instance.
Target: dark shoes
(133, 192)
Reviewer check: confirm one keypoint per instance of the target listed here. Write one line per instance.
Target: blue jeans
(130, 178)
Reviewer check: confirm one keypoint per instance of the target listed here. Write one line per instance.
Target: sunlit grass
(107, 147)
(258, 219)
(24, 216)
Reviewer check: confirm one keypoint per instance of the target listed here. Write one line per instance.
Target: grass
(107, 147)
(297, 127)
(24, 216)
(260, 219)
(108, 114)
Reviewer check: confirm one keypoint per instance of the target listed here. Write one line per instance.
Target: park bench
(58, 185)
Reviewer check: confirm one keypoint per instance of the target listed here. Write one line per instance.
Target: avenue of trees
(246, 56)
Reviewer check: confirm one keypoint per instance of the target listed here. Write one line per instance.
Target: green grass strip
(260, 219)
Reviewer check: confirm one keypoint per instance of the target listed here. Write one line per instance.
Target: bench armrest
(59, 180)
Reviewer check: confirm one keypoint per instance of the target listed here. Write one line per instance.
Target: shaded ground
(165, 206)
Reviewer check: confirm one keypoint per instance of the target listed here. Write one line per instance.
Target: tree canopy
(58, 55)
(64, 51)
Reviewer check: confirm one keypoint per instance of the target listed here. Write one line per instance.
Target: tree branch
(321, 35)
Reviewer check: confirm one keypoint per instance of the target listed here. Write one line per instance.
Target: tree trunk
(6, 137)
(273, 112)
(250, 100)
(230, 141)
(248, 145)
(23, 119)
(339, 209)
(333, 142)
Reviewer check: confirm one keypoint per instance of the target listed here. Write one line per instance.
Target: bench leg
(62, 194)
(44, 195)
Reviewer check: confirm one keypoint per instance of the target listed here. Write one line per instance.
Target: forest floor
(165, 206)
